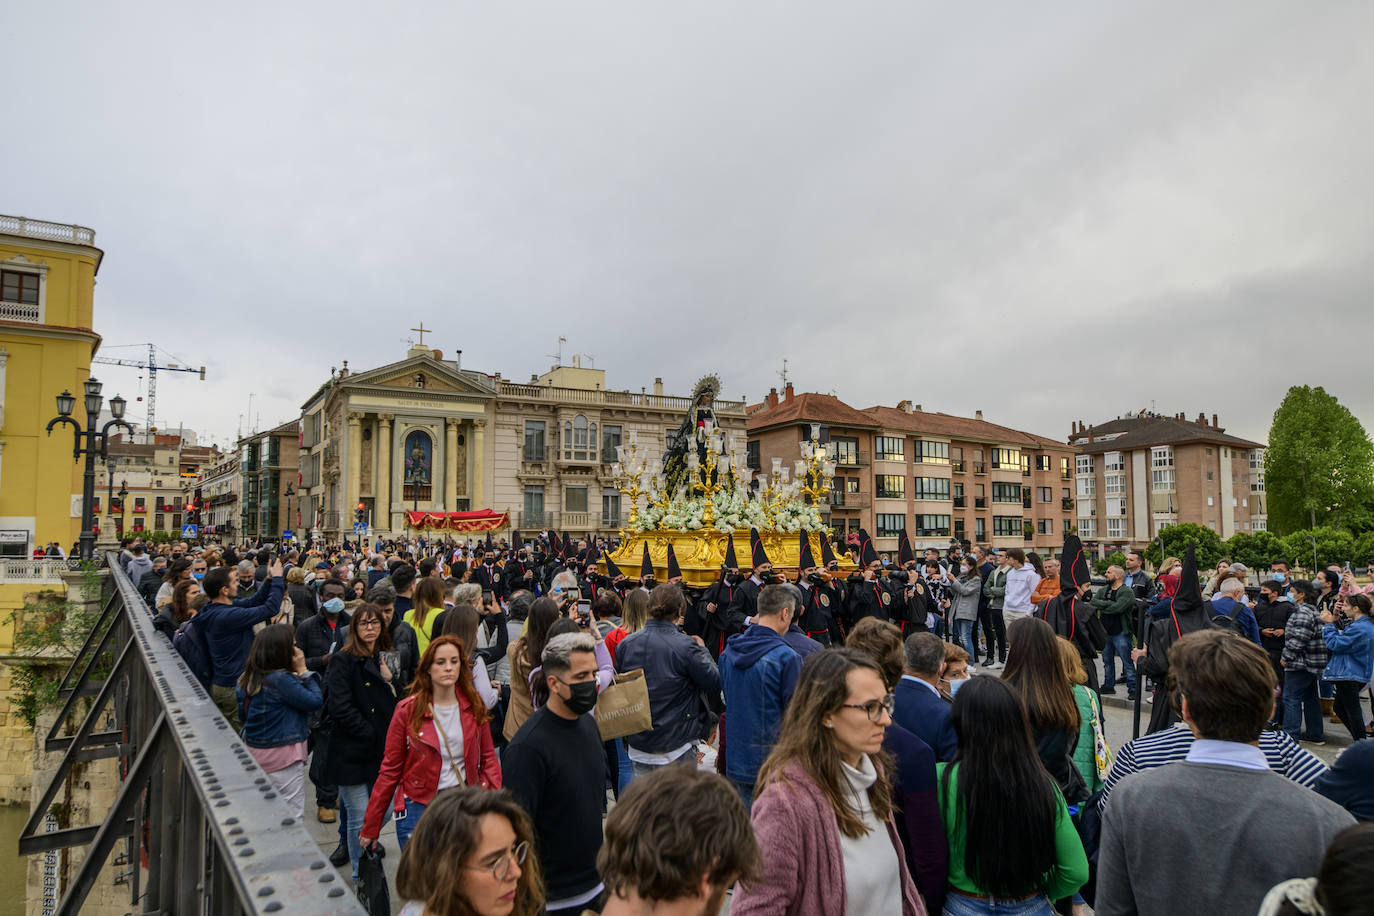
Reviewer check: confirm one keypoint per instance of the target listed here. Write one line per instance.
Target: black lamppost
(95, 443)
(290, 519)
(123, 499)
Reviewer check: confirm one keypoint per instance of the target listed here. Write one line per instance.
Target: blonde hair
(1073, 663)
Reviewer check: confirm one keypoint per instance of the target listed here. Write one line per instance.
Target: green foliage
(1363, 552)
(1333, 546)
(49, 626)
(1115, 558)
(1206, 543)
(1256, 549)
(1319, 466)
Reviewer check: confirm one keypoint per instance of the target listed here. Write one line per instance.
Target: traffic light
(360, 513)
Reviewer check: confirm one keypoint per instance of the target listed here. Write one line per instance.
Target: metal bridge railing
(202, 828)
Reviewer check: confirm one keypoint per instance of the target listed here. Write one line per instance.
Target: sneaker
(325, 815)
(1107, 691)
(339, 857)
(996, 666)
(1130, 695)
(1314, 741)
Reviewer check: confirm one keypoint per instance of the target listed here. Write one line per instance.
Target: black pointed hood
(611, 569)
(730, 561)
(516, 542)
(674, 571)
(1189, 596)
(806, 558)
(646, 566)
(905, 554)
(827, 552)
(758, 556)
(1073, 565)
(867, 554)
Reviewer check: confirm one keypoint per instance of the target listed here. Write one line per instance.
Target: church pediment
(422, 373)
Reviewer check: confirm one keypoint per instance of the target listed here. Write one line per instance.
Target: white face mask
(954, 685)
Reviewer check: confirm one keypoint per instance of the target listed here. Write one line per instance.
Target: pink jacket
(807, 880)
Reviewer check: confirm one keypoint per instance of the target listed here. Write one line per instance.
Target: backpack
(1216, 620)
(191, 644)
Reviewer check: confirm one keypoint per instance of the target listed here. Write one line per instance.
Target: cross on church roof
(422, 331)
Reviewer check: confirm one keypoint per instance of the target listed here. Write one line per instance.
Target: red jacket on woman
(413, 766)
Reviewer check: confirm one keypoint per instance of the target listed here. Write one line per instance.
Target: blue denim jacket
(279, 713)
(1352, 651)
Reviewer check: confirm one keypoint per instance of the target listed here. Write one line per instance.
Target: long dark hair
(175, 569)
(273, 650)
(1035, 671)
(1007, 800)
(543, 612)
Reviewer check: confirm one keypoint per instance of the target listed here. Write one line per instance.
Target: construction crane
(152, 365)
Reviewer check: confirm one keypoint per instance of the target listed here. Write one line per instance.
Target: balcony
(979, 467)
(46, 571)
(980, 502)
(845, 501)
(550, 394)
(1066, 504)
(42, 229)
(574, 521)
(959, 502)
(21, 311)
(957, 467)
(855, 459)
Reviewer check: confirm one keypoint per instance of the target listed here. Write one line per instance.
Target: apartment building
(269, 473)
(937, 475)
(217, 492)
(1142, 471)
(154, 477)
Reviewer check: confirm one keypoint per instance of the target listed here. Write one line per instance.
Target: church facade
(426, 434)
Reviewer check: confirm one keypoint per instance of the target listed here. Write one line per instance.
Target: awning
(477, 520)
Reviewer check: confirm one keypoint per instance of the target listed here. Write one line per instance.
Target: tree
(1333, 547)
(1206, 543)
(1256, 549)
(1363, 553)
(1319, 467)
(1115, 558)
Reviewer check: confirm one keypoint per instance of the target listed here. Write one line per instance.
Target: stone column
(477, 497)
(450, 464)
(382, 516)
(355, 465)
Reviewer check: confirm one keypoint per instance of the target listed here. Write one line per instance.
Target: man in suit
(920, 708)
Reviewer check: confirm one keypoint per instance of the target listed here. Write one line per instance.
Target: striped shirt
(1171, 745)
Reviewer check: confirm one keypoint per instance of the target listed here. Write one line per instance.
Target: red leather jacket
(412, 766)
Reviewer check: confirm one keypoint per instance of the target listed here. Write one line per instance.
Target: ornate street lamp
(89, 442)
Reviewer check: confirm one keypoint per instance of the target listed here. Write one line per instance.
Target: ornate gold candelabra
(814, 470)
(628, 476)
(704, 478)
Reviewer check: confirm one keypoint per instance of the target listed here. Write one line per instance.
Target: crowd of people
(916, 737)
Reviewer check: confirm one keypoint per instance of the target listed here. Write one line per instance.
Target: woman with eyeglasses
(361, 698)
(824, 797)
(470, 856)
(1012, 846)
(437, 740)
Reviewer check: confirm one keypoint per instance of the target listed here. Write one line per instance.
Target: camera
(899, 575)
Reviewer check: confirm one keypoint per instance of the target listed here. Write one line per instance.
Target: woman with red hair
(438, 739)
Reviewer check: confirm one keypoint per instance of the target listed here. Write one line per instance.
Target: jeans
(626, 771)
(1347, 708)
(1299, 698)
(1120, 644)
(353, 801)
(994, 632)
(956, 904)
(688, 759)
(405, 826)
(963, 635)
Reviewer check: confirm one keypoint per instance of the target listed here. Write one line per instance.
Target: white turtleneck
(872, 871)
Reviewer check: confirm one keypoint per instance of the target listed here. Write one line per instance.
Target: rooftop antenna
(559, 355)
(783, 374)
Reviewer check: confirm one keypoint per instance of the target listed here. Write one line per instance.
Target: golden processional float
(702, 491)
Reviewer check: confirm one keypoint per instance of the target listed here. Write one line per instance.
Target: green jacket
(996, 587)
(1124, 604)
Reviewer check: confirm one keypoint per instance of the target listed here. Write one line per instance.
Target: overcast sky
(1050, 212)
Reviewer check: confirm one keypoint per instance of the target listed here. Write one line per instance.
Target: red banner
(463, 522)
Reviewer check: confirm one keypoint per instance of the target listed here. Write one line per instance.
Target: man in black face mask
(488, 575)
(710, 618)
(555, 766)
(746, 600)
(820, 601)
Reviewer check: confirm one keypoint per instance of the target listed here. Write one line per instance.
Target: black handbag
(371, 885)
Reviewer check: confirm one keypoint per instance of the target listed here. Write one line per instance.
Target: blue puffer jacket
(684, 686)
(1352, 651)
(758, 672)
(279, 713)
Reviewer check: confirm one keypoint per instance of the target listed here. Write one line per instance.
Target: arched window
(577, 437)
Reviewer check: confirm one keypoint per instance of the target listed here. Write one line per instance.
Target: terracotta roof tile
(943, 424)
(808, 407)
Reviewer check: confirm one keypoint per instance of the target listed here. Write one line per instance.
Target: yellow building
(47, 287)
